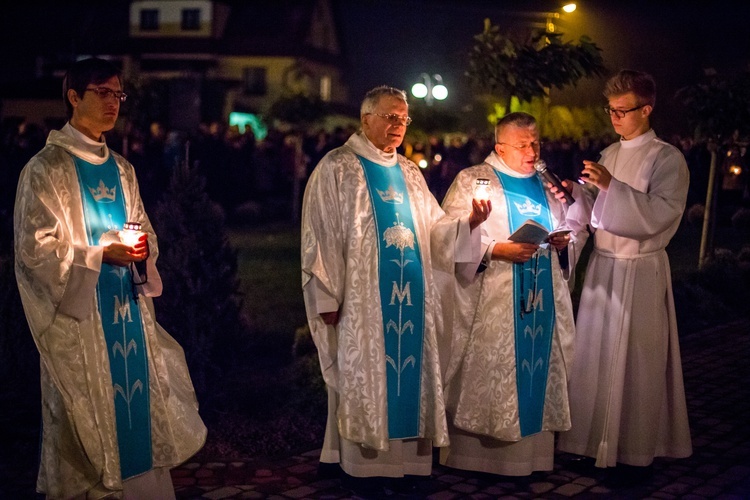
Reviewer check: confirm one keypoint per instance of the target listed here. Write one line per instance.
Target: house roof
(59, 32)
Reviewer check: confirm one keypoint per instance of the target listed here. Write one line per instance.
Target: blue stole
(534, 302)
(401, 280)
(104, 209)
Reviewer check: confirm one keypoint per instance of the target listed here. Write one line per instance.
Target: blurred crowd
(246, 174)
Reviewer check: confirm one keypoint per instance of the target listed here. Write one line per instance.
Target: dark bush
(201, 305)
(716, 293)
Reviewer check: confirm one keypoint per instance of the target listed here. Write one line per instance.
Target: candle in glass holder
(482, 189)
(131, 233)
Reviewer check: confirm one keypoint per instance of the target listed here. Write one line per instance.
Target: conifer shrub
(200, 305)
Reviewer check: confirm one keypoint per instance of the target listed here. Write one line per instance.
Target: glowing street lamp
(428, 90)
(551, 16)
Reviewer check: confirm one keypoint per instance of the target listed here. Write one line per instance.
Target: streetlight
(428, 90)
(551, 16)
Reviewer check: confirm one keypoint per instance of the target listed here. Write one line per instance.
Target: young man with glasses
(375, 247)
(118, 405)
(511, 344)
(626, 390)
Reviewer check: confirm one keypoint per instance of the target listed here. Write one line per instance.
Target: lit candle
(482, 189)
(131, 233)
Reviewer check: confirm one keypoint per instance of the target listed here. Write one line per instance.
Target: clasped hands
(120, 254)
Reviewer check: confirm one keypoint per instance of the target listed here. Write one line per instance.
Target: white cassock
(480, 356)
(340, 272)
(57, 273)
(626, 391)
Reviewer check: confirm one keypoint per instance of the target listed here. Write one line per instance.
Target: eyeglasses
(104, 92)
(536, 145)
(394, 119)
(620, 113)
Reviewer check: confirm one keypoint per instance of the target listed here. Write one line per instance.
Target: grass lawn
(268, 261)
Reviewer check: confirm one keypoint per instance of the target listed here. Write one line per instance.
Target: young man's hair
(372, 97)
(517, 119)
(92, 71)
(639, 83)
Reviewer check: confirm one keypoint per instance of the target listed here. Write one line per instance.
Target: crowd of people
(241, 169)
(436, 324)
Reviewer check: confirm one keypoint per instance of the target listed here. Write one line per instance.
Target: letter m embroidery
(406, 293)
(537, 301)
(122, 311)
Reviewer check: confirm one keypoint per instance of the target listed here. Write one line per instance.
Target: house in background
(184, 61)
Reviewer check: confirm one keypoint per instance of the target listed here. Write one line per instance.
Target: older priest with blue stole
(373, 240)
(511, 343)
(118, 405)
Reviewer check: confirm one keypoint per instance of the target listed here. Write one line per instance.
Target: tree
(719, 110)
(298, 110)
(719, 107)
(201, 305)
(507, 68)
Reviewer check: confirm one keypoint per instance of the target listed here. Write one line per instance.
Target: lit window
(325, 88)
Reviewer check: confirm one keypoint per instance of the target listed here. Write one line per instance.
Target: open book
(536, 234)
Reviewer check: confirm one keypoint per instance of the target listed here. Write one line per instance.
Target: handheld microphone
(541, 168)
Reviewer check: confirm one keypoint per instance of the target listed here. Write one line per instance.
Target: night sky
(394, 41)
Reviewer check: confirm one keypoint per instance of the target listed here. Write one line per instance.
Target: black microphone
(541, 168)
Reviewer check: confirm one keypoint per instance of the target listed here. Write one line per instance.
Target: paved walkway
(716, 366)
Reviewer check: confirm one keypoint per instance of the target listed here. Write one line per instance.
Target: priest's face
(386, 125)
(94, 114)
(519, 147)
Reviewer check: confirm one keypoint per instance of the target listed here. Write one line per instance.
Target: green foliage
(200, 306)
(507, 68)
(298, 109)
(718, 107)
(430, 119)
(716, 293)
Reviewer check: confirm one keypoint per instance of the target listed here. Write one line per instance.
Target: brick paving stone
(541, 487)
(708, 469)
(225, 492)
(464, 488)
(585, 481)
(495, 490)
(663, 495)
(204, 473)
(691, 480)
(450, 479)
(301, 492)
(708, 491)
(251, 495)
(569, 490)
(302, 468)
(600, 490)
(443, 495)
(676, 488)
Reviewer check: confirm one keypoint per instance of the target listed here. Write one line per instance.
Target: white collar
(364, 147)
